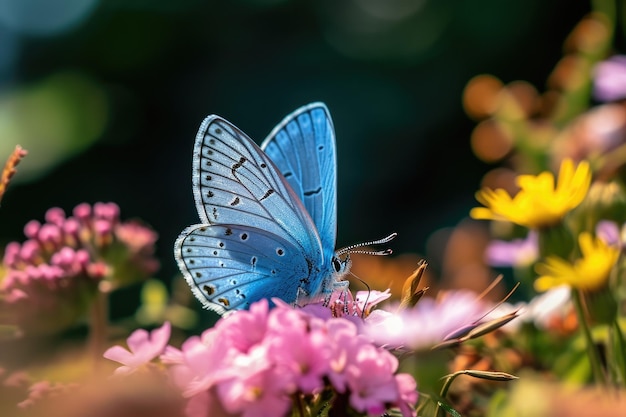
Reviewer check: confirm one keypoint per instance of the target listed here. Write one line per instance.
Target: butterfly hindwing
(230, 266)
(303, 148)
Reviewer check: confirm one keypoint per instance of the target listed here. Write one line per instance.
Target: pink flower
(246, 328)
(303, 355)
(144, 347)
(257, 390)
(256, 362)
(342, 304)
(518, 252)
(371, 381)
(59, 267)
(428, 323)
(408, 394)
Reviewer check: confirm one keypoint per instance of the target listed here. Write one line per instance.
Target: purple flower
(609, 232)
(144, 347)
(518, 252)
(610, 79)
(51, 277)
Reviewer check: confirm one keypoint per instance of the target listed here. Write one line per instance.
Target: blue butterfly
(268, 215)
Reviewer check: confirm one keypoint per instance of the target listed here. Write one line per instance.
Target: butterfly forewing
(303, 147)
(236, 183)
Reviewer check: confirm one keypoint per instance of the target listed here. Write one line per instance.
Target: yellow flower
(587, 273)
(538, 203)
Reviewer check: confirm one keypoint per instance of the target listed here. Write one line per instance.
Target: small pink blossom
(518, 252)
(304, 355)
(371, 380)
(610, 79)
(144, 347)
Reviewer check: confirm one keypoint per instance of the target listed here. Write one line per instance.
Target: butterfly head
(341, 266)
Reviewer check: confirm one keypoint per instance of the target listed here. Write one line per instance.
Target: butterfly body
(268, 215)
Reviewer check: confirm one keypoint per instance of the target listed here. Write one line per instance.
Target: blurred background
(107, 96)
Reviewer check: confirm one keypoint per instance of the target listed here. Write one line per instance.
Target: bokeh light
(55, 119)
(44, 17)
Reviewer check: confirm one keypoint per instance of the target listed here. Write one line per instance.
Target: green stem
(444, 391)
(98, 323)
(617, 353)
(592, 352)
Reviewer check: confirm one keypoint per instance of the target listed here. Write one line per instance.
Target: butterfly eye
(337, 264)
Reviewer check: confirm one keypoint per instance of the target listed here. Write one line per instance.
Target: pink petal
(138, 340)
(118, 354)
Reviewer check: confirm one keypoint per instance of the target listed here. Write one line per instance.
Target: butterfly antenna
(350, 249)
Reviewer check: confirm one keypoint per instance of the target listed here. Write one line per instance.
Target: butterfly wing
(230, 266)
(303, 148)
(237, 186)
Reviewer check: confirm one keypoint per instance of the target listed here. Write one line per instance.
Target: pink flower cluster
(262, 362)
(50, 276)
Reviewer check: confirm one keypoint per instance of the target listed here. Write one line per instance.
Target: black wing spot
(229, 231)
(210, 194)
(280, 251)
(218, 131)
(316, 191)
(209, 152)
(267, 194)
(244, 236)
(192, 261)
(320, 148)
(188, 249)
(253, 261)
(288, 174)
(235, 201)
(263, 165)
(208, 289)
(238, 165)
(233, 282)
(207, 162)
(273, 271)
(192, 239)
(224, 301)
(208, 178)
(215, 213)
(215, 252)
(198, 275)
(212, 141)
(221, 244)
(202, 229)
